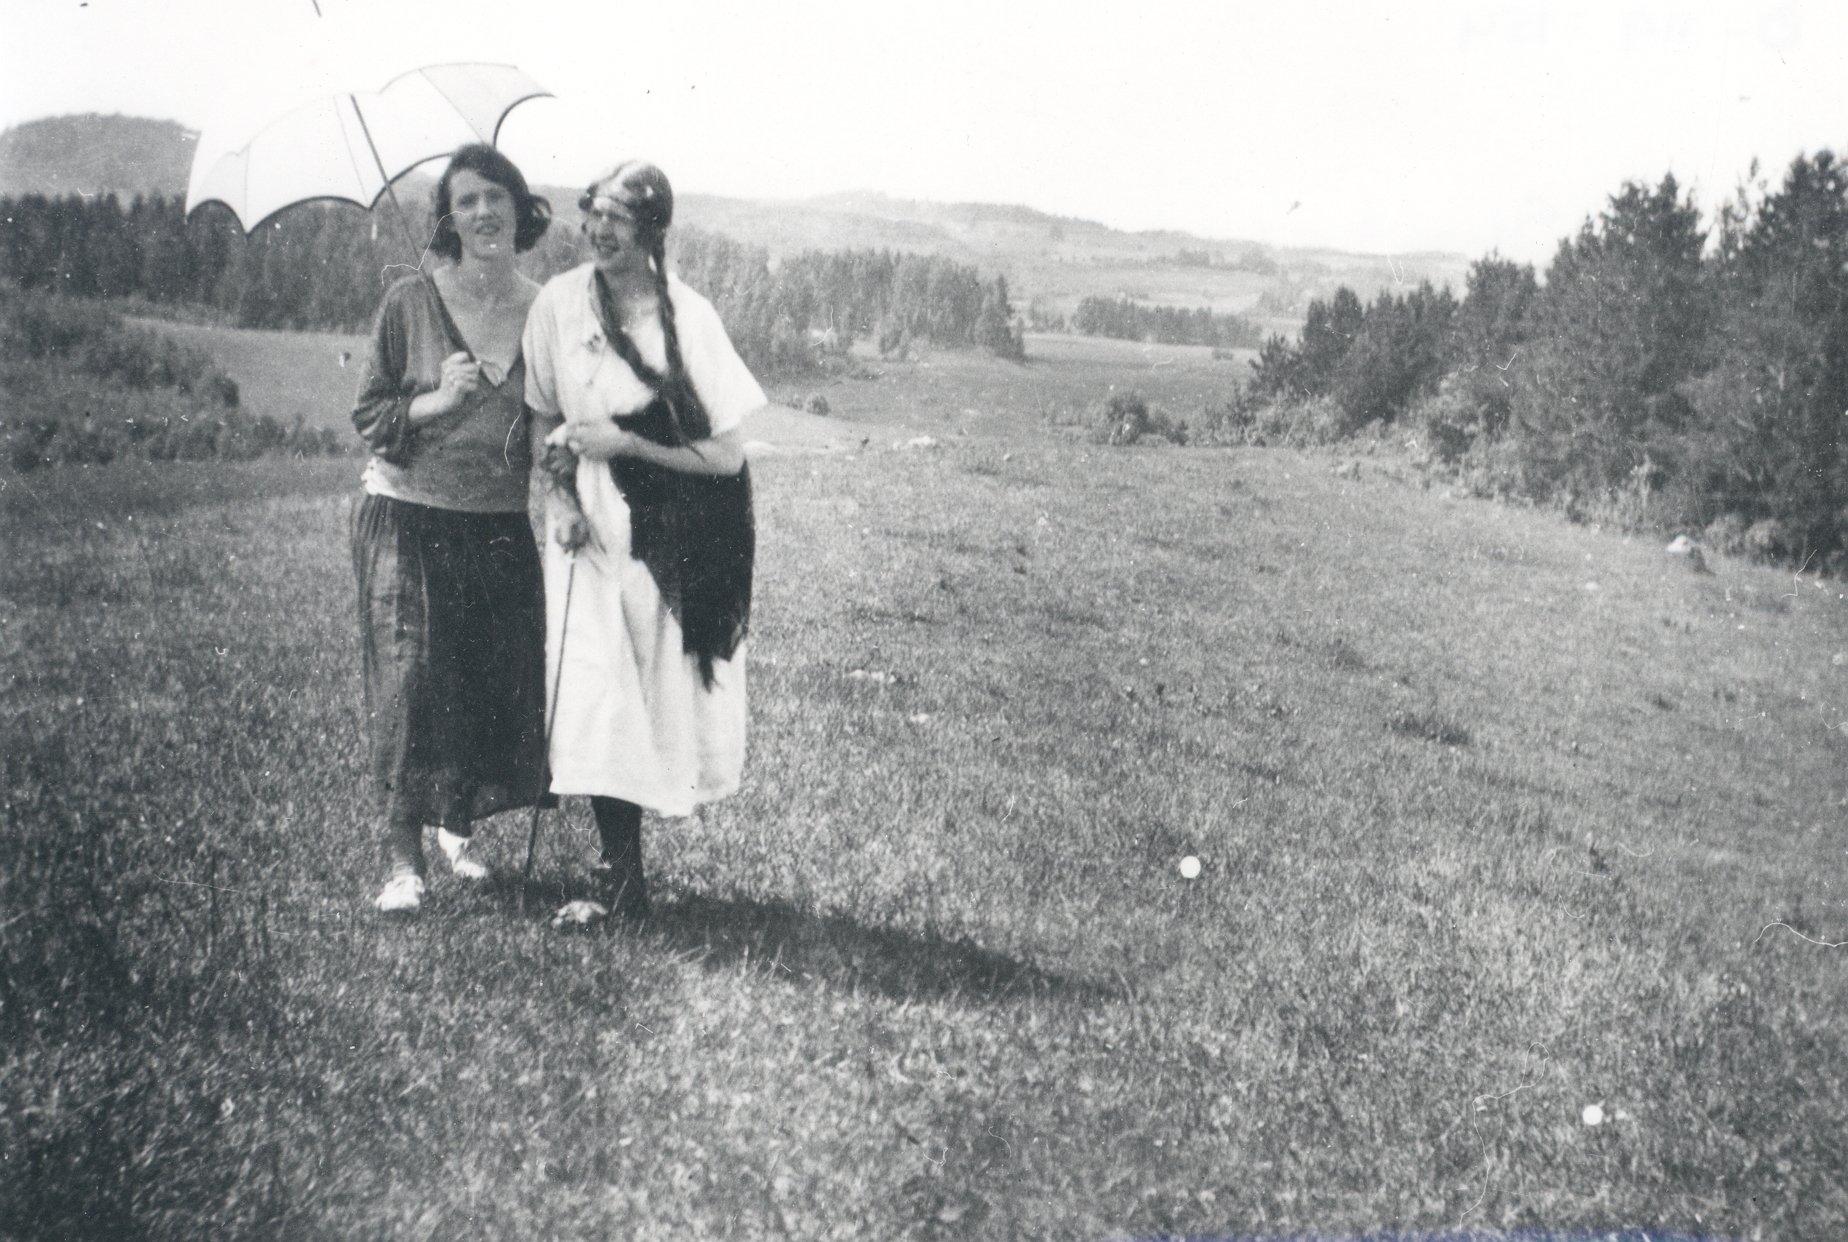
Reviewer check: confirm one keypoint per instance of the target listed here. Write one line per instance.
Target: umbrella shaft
(392, 190)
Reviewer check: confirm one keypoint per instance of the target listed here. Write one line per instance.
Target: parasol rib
(397, 208)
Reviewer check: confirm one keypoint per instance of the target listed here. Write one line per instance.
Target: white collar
(593, 319)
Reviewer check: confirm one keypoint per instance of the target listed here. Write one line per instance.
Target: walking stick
(564, 629)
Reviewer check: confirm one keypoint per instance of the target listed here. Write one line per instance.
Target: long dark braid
(690, 418)
(670, 329)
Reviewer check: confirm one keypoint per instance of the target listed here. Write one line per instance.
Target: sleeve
(539, 346)
(382, 410)
(725, 385)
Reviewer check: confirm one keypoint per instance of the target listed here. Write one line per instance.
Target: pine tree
(994, 330)
(1624, 319)
(1398, 354)
(1769, 437)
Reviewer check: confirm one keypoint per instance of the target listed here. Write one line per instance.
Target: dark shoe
(622, 888)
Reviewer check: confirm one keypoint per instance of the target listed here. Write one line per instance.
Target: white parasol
(351, 146)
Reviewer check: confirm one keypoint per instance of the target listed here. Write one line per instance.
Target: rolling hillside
(1135, 843)
(1051, 262)
(92, 154)
(1054, 262)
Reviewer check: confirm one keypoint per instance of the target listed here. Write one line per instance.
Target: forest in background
(323, 267)
(1666, 375)
(1054, 265)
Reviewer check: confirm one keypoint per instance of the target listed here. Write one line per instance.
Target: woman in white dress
(647, 500)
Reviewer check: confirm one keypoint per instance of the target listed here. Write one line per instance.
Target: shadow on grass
(800, 946)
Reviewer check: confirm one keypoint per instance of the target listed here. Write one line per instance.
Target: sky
(1381, 128)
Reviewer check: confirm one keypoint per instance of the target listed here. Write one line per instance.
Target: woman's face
(615, 246)
(484, 217)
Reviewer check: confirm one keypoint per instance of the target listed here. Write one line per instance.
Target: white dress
(632, 719)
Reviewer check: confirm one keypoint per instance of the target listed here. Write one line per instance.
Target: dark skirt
(452, 617)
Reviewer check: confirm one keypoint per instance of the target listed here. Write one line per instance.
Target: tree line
(780, 314)
(1666, 374)
(324, 266)
(1128, 320)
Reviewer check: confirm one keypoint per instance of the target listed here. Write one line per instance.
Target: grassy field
(285, 373)
(1059, 388)
(282, 374)
(1499, 819)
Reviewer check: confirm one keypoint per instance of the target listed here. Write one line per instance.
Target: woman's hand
(461, 380)
(599, 440)
(720, 456)
(559, 465)
(571, 530)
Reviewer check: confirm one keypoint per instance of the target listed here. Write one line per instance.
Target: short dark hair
(532, 213)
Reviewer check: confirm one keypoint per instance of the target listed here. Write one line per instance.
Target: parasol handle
(397, 207)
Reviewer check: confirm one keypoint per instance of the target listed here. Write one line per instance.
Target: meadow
(1500, 819)
(312, 375)
(967, 395)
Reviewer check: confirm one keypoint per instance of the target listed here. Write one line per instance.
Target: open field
(1499, 819)
(281, 374)
(1059, 386)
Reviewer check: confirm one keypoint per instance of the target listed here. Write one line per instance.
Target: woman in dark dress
(451, 605)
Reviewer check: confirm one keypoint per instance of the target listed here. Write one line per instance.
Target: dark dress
(451, 602)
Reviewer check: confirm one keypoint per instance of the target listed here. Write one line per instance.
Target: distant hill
(94, 154)
(1057, 261)
(1051, 262)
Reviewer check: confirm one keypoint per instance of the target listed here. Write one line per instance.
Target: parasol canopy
(351, 146)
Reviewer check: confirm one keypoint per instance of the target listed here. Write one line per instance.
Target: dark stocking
(619, 826)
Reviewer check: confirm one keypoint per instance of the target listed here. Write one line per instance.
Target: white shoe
(455, 849)
(580, 914)
(402, 894)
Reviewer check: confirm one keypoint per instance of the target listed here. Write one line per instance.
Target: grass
(281, 374)
(1499, 818)
(1063, 381)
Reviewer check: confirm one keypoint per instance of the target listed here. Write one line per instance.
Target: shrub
(1228, 422)
(85, 444)
(56, 416)
(1768, 539)
(1300, 424)
(1122, 419)
(90, 339)
(38, 325)
(1125, 418)
(1450, 421)
(893, 338)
